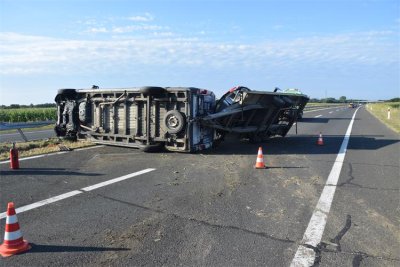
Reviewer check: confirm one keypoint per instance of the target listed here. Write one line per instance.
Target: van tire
(173, 121)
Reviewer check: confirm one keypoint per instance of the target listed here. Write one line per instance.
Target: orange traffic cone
(260, 160)
(13, 243)
(320, 141)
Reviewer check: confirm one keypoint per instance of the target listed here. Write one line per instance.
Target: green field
(27, 114)
(380, 110)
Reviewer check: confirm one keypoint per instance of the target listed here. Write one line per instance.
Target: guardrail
(21, 125)
(323, 106)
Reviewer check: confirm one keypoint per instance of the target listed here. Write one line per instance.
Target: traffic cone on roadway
(320, 141)
(13, 242)
(260, 160)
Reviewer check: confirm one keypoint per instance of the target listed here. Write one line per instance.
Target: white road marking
(330, 112)
(90, 188)
(52, 154)
(38, 156)
(87, 148)
(43, 202)
(318, 116)
(75, 192)
(305, 255)
(307, 111)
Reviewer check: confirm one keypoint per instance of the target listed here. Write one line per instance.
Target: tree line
(16, 106)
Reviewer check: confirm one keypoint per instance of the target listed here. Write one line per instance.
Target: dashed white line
(307, 111)
(317, 116)
(75, 192)
(93, 187)
(43, 202)
(305, 255)
(330, 112)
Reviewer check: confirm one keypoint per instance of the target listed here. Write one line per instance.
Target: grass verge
(380, 110)
(32, 148)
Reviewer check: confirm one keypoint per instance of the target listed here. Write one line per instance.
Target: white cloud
(143, 27)
(144, 18)
(97, 30)
(21, 54)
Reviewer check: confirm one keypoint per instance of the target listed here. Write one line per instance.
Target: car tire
(174, 121)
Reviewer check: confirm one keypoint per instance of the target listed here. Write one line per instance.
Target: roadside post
(388, 114)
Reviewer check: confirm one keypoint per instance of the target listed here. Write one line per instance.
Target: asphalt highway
(115, 206)
(30, 135)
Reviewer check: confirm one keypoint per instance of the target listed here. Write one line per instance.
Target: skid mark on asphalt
(76, 192)
(202, 222)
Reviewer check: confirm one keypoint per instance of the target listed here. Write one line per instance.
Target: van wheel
(174, 121)
(152, 90)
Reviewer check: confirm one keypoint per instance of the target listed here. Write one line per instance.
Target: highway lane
(211, 208)
(364, 225)
(30, 135)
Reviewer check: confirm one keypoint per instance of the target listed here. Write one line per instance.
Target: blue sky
(325, 48)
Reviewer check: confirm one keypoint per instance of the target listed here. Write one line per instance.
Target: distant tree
(342, 99)
(329, 100)
(396, 99)
(14, 106)
(46, 105)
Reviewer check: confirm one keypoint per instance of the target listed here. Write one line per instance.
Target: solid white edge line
(305, 256)
(52, 154)
(75, 192)
(37, 156)
(92, 187)
(87, 148)
(317, 116)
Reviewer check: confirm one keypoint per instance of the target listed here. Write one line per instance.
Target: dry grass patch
(32, 148)
(380, 110)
